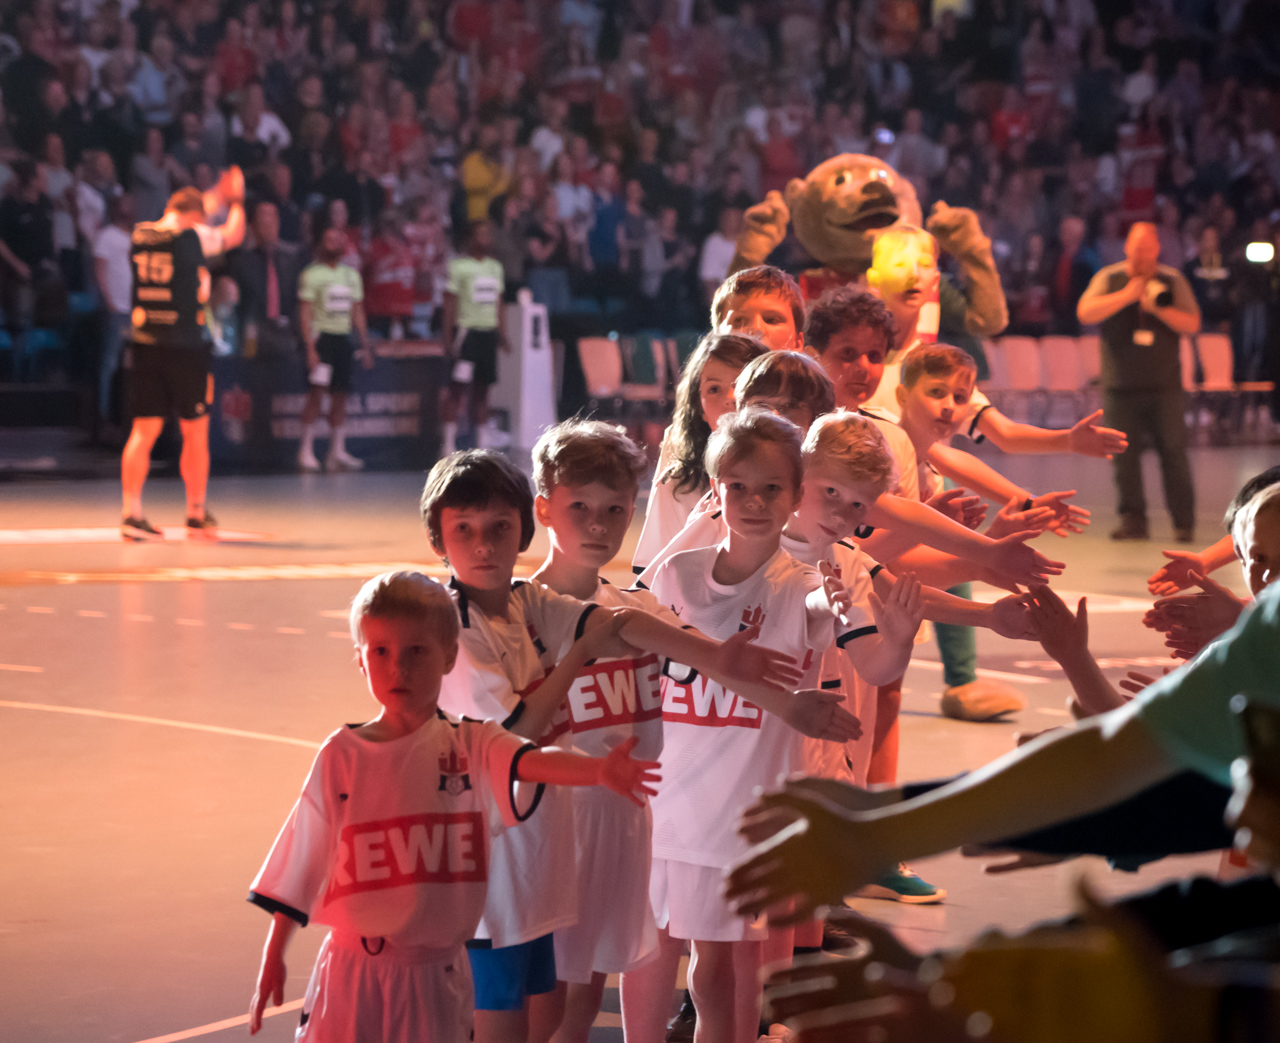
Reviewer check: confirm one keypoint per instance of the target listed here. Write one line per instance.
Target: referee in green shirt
(473, 333)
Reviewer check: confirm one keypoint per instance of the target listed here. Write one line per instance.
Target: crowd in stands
(615, 143)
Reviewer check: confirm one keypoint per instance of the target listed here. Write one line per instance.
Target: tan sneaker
(981, 700)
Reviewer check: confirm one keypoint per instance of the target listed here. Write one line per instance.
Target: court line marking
(19, 669)
(995, 675)
(111, 715)
(111, 534)
(227, 1023)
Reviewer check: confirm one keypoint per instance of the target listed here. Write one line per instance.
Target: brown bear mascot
(837, 211)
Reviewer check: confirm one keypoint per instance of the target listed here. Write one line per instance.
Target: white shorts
(615, 930)
(688, 901)
(395, 996)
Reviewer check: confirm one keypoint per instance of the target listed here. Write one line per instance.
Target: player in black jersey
(171, 346)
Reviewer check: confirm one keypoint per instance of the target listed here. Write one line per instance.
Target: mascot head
(843, 202)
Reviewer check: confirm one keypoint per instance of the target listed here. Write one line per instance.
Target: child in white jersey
(512, 665)
(705, 393)
(396, 865)
(719, 746)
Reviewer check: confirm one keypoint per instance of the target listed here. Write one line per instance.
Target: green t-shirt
(478, 286)
(331, 292)
(1189, 712)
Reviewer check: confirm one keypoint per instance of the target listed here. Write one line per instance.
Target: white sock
(449, 437)
(308, 447)
(337, 442)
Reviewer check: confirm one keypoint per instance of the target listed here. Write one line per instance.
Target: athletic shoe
(139, 530)
(1131, 527)
(980, 700)
(836, 939)
(343, 461)
(307, 462)
(206, 526)
(902, 885)
(680, 1028)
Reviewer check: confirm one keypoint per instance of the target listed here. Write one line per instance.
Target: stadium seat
(1026, 386)
(1063, 377)
(644, 359)
(601, 359)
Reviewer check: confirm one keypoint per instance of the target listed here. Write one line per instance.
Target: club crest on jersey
(752, 617)
(454, 779)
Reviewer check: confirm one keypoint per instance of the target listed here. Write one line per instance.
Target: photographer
(1143, 308)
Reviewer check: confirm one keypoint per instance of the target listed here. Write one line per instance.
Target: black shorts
(167, 380)
(335, 350)
(480, 347)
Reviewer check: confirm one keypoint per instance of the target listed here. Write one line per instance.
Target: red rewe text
(413, 849)
(622, 691)
(707, 703)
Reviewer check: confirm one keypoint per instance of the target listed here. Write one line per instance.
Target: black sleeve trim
(666, 670)
(833, 682)
(974, 433)
(513, 717)
(582, 621)
(638, 569)
(874, 572)
(864, 531)
(844, 639)
(639, 586)
(478, 943)
(515, 777)
(272, 906)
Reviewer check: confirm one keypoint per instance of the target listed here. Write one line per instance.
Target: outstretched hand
(820, 714)
(899, 614)
(838, 595)
(1088, 438)
(1067, 517)
(1191, 621)
(1012, 518)
(1060, 634)
(1012, 558)
(627, 777)
(816, 854)
(742, 660)
(1011, 618)
(960, 506)
(1175, 574)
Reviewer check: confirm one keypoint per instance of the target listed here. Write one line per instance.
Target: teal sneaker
(901, 885)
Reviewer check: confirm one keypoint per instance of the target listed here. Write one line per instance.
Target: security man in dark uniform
(1144, 308)
(171, 348)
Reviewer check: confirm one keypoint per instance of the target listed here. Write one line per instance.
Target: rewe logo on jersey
(454, 779)
(621, 691)
(708, 703)
(432, 848)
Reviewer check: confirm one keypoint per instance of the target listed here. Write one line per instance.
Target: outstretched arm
(628, 778)
(1175, 574)
(1086, 437)
(830, 852)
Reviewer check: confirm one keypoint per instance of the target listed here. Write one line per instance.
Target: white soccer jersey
(704, 528)
(664, 516)
(856, 569)
(392, 839)
(930, 480)
(717, 746)
(901, 449)
(533, 884)
(885, 397)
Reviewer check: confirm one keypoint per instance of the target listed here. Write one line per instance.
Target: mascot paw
(764, 226)
(957, 230)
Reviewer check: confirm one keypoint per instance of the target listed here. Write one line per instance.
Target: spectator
(673, 254)
(718, 251)
(159, 84)
(23, 83)
(234, 62)
(59, 186)
(548, 258)
(26, 248)
(389, 279)
(1070, 268)
(280, 184)
(257, 125)
(155, 176)
(267, 276)
(1210, 281)
(213, 119)
(96, 185)
(605, 234)
(1029, 293)
(548, 141)
(482, 175)
(114, 275)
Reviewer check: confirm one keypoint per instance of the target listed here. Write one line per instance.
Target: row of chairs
(1031, 376)
(634, 375)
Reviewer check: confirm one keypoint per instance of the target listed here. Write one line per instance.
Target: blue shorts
(505, 978)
